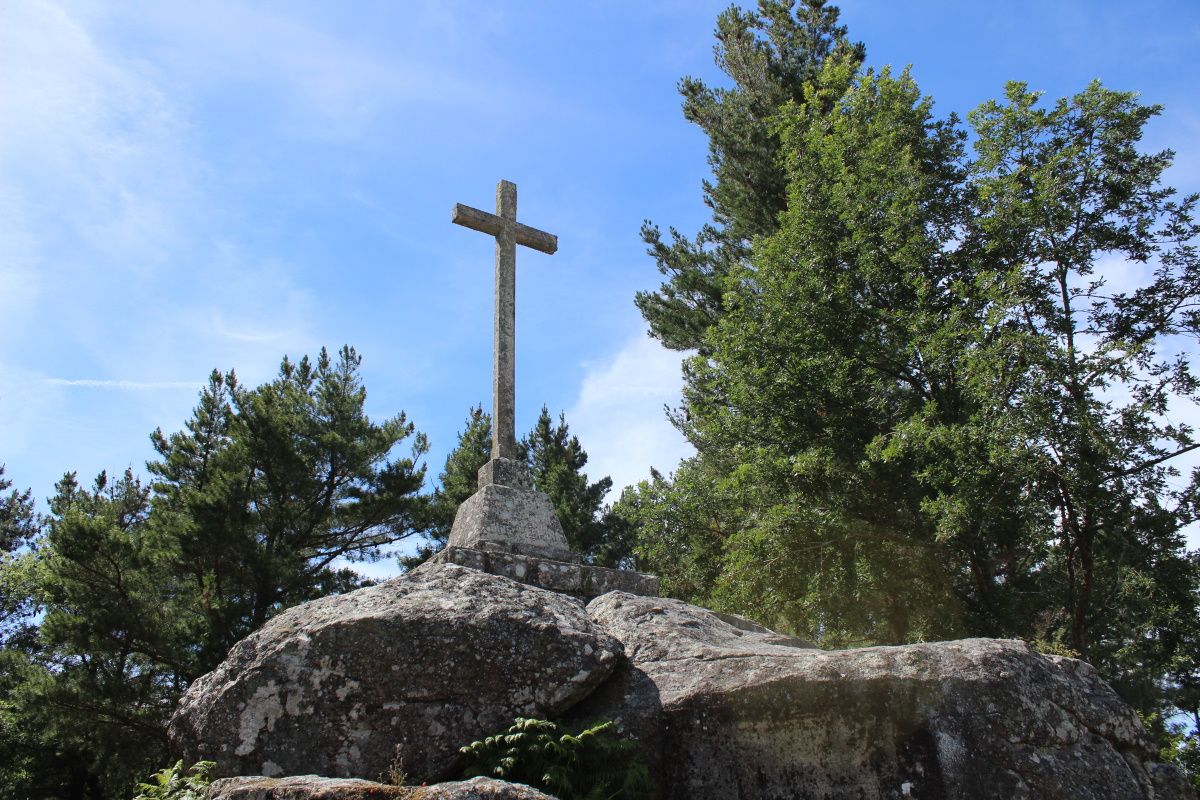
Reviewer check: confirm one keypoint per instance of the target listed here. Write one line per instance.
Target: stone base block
(580, 580)
(511, 520)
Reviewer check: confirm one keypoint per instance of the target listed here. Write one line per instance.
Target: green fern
(174, 783)
(592, 764)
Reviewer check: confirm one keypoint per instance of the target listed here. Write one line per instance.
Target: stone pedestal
(508, 515)
(509, 528)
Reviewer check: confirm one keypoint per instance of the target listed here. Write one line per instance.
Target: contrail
(126, 385)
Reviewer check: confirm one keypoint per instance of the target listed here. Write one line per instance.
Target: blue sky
(186, 186)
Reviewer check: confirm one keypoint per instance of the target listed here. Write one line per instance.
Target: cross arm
(491, 224)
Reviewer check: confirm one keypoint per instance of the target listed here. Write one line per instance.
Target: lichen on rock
(416, 666)
(313, 787)
(725, 710)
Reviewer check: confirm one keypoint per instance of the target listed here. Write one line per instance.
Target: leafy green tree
(88, 701)
(27, 760)
(932, 416)
(679, 526)
(1060, 191)
(771, 55)
(42, 757)
(18, 522)
(808, 367)
(1181, 743)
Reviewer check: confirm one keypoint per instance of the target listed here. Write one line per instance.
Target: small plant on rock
(175, 783)
(396, 774)
(592, 764)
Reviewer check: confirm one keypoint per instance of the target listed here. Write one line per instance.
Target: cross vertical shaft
(504, 366)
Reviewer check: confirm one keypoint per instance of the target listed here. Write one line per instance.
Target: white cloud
(113, 259)
(619, 415)
(307, 77)
(140, 386)
(89, 146)
(95, 174)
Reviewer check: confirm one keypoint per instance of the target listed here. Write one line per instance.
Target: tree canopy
(770, 55)
(933, 392)
(457, 481)
(255, 506)
(268, 488)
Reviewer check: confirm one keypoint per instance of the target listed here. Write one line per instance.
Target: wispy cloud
(138, 386)
(96, 176)
(114, 223)
(307, 78)
(91, 132)
(254, 329)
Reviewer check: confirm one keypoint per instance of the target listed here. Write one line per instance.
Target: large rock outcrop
(727, 709)
(312, 787)
(407, 671)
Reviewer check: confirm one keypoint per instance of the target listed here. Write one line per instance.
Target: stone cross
(509, 233)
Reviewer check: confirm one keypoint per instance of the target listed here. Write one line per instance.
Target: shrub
(174, 783)
(592, 764)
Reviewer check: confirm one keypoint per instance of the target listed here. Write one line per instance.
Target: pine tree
(267, 488)
(88, 703)
(779, 409)
(772, 55)
(556, 460)
(18, 523)
(142, 589)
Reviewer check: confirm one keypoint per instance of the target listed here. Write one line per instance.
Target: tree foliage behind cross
(555, 459)
(457, 481)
